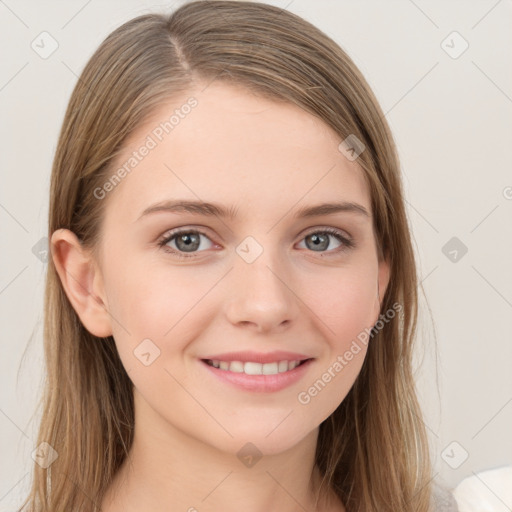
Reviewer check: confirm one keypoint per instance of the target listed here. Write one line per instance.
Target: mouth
(254, 368)
(266, 377)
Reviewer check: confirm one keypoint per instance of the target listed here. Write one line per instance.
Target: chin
(258, 442)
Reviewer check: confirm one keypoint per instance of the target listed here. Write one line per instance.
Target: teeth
(283, 366)
(251, 368)
(236, 366)
(269, 368)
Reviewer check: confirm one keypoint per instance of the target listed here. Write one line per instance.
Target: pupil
(191, 242)
(318, 242)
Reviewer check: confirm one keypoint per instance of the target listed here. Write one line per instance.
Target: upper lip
(258, 357)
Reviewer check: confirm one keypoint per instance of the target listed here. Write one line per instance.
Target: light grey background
(451, 118)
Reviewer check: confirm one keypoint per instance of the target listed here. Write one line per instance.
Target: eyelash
(347, 242)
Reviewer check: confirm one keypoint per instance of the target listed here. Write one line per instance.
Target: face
(264, 285)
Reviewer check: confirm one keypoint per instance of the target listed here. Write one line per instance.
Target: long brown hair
(373, 450)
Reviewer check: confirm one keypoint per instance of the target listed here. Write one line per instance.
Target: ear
(82, 281)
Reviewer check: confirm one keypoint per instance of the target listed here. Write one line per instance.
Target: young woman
(231, 302)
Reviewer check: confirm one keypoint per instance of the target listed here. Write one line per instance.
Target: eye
(185, 240)
(319, 241)
(189, 241)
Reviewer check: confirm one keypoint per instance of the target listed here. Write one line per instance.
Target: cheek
(346, 312)
(150, 301)
(167, 307)
(346, 304)
(345, 307)
(155, 314)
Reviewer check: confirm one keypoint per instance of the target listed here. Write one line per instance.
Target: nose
(261, 295)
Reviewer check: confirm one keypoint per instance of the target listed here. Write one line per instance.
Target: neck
(168, 470)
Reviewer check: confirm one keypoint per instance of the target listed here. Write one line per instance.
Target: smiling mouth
(253, 368)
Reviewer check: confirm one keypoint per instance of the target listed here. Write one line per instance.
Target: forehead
(227, 145)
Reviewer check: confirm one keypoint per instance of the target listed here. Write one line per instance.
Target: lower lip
(261, 383)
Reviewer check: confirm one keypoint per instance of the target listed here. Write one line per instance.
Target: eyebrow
(214, 209)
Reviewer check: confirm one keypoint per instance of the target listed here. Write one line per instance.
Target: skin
(267, 160)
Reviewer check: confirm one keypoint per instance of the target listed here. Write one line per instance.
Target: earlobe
(82, 282)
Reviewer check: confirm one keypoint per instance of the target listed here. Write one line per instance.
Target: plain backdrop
(441, 72)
